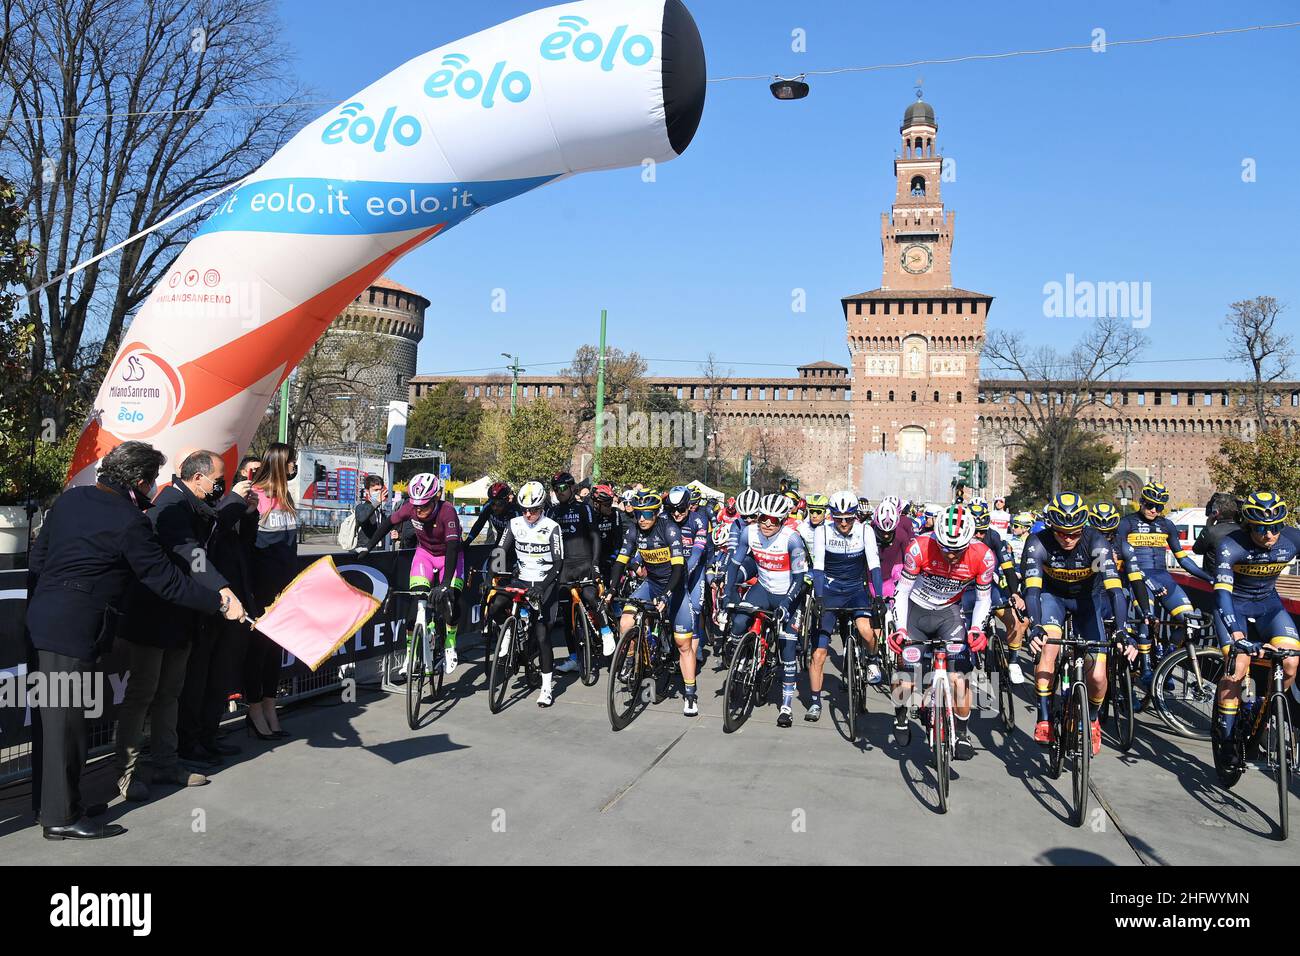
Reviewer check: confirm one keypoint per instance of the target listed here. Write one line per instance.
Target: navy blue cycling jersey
(694, 533)
(660, 549)
(1006, 578)
(1143, 545)
(1248, 571)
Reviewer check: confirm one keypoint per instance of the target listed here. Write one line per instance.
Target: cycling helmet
(697, 497)
(1263, 508)
(886, 516)
(817, 502)
(1023, 518)
(646, 501)
(748, 503)
(499, 491)
(980, 512)
(721, 534)
(843, 504)
(678, 499)
(1154, 493)
(602, 493)
(932, 512)
(955, 528)
(775, 506)
(423, 488)
(532, 495)
(1066, 512)
(731, 505)
(1104, 516)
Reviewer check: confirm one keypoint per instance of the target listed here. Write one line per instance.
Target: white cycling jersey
(778, 558)
(845, 558)
(538, 547)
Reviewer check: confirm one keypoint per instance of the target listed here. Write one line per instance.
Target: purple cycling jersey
(431, 533)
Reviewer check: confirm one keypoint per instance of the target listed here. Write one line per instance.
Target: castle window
(936, 396)
(918, 185)
(873, 308)
(914, 396)
(959, 306)
(1209, 400)
(1142, 398)
(1124, 397)
(789, 394)
(478, 391)
(1295, 399)
(891, 396)
(749, 393)
(708, 392)
(679, 392)
(1173, 398)
(734, 393)
(943, 308)
(762, 394)
(550, 391)
(1110, 398)
(929, 308)
(1157, 393)
(869, 395)
(916, 308)
(959, 398)
(848, 394)
(372, 296)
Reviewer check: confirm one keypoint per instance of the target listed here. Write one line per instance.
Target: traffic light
(983, 476)
(965, 473)
(320, 471)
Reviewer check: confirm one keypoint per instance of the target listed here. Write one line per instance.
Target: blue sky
(1116, 166)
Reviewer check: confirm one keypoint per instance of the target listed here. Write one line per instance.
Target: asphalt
(355, 785)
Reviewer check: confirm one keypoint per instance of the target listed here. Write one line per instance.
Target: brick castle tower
(915, 341)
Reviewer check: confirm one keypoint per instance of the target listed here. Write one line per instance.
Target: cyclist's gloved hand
(1157, 590)
(878, 606)
(1037, 634)
(976, 639)
(896, 640)
(534, 596)
(1245, 646)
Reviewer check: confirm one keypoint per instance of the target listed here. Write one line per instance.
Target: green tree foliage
(1085, 462)
(1270, 463)
(538, 444)
(445, 418)
(34, 458)
(624, 465)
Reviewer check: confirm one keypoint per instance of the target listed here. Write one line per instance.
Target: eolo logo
(590, 47)
(455, 77)
(362, 129)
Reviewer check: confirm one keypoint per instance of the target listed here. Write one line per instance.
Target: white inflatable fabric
(592, 85)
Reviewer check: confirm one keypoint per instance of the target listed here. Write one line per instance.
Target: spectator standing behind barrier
(216, 661)
(370, 511)
(93, 543)
(275, 557)
(159, 635)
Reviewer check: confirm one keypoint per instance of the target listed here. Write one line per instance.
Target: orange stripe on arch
(226, 371)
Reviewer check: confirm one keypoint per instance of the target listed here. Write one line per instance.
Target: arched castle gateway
(912, 400)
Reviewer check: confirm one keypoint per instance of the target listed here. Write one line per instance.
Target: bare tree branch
(1255, 340)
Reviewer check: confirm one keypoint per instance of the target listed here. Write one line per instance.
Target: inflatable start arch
(581, 86)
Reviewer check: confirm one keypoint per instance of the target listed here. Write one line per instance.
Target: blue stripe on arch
(345, 207)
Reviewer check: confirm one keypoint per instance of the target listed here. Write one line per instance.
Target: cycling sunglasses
(645, 514)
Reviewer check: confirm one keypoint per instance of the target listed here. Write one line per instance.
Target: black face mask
(217, 492)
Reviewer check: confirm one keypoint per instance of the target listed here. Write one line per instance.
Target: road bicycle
(856, 660)
(585, 627)
(806, 616)
(424, 668)
(997, 660)
(1186, 680)
(513, 647)
(1118, 713)
(1264, 721)
(1071, 728)
(937, 711)
(754, 663)
(646, 650)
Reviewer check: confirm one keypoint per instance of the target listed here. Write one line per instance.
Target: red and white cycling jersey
(934, 580)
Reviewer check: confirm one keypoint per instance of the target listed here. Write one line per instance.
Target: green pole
(514, 381)
(284, 410)
(600, 402)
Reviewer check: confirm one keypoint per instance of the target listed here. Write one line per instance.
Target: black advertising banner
(375, 573)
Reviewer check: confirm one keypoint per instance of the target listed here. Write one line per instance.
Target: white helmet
(747, 503)
(885, 517)
(721, 534)
(955, 528)
(423, 488)
(893, 499)
(532, 495)
(777, 506)
(844, 504)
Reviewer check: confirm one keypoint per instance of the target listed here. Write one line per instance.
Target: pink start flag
(316, 613)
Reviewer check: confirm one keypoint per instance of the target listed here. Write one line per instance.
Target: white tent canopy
(476, 489)
(704, 489)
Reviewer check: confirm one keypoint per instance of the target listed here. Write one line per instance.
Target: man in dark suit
(217, 653)
(94, 542)
(160, 635)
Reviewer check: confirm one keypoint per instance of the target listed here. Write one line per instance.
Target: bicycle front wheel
(941, 741)
(503, 665)
(738, 695)
(416, 676)
(1079, 734)
(1120, 695)
(624, 678)
(1187, 703)
(1282, 736)
(587, 652)
(851, 667)
(1006, 696)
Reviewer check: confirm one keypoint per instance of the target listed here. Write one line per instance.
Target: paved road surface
(354, 785)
